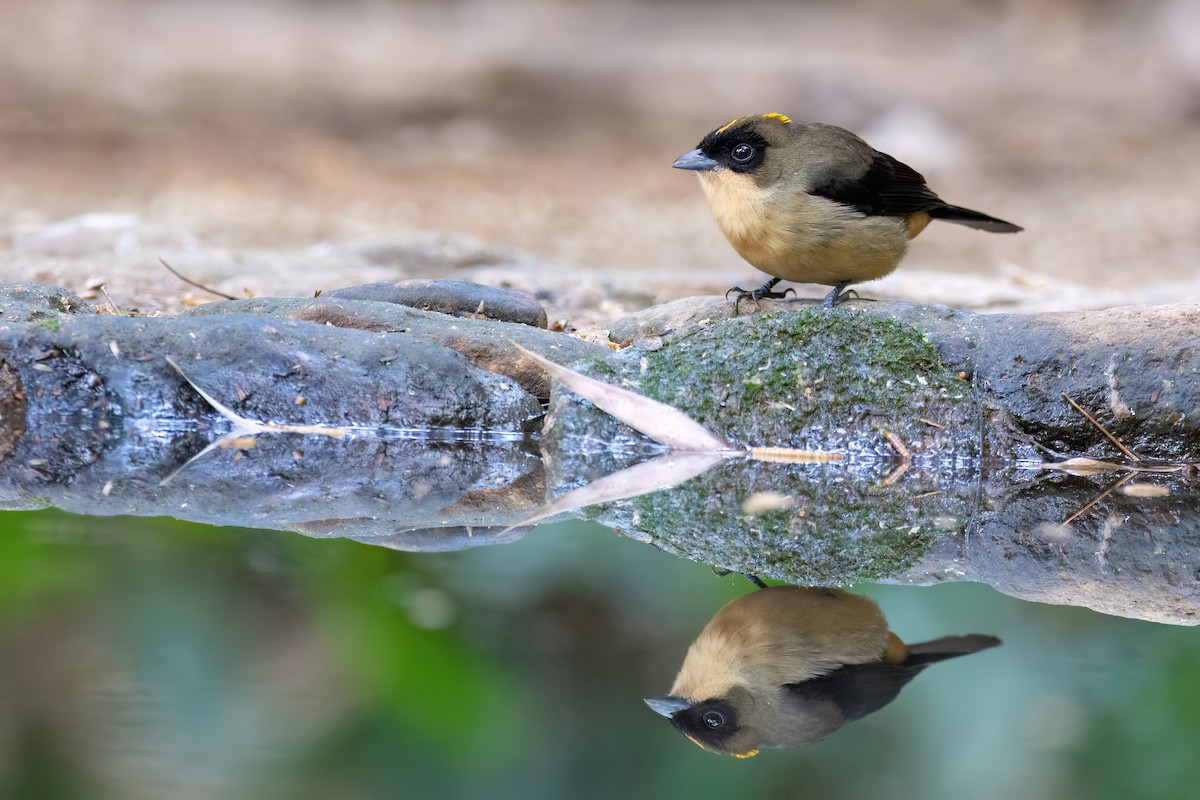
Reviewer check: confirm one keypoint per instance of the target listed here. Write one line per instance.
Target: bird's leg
(757, 581)
(762, 292)
(839, 294)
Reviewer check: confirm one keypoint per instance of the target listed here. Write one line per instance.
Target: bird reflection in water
(786, 666)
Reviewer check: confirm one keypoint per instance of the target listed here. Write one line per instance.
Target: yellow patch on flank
(896, 652)
(917, 223)
(747, 754)
(778, 116)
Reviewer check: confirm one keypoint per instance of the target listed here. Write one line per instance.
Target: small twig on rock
(1100, 427)
(790, 455)
(898, 445)
(191, 282)
(108, 298)
(1092, 466)
(1113, 487)
(905, 457)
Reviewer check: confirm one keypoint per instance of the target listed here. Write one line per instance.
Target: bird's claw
(840, 294)
(757, 581)
(758, 294)
(761, 293)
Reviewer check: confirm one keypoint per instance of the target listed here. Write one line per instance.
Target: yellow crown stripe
(729, 125)
(773, 115)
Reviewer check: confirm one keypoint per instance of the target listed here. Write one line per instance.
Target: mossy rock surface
(843, 526)
(814, 379)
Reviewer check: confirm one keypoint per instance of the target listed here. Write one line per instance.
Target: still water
(146, 657)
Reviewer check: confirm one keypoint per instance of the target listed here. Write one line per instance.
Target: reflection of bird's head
(787, 666)
(714, 724)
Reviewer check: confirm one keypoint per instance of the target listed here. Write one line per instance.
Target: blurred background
(550, 125)
(154, 659)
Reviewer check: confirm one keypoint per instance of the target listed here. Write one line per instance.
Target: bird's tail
(973, 219)
(948, 647)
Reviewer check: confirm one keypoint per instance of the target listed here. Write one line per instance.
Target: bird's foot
(761, 293)
(757, 581)
(840, 294)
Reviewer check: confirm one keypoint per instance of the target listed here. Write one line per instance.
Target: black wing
(889, 188)
(857, 689)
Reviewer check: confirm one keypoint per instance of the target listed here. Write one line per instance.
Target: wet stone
(486, 344)
(12, 410)
(421, 540)
(105, 405)
(456, 298)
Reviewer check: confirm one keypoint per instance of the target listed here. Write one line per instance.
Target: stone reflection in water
(93, 418)
(1128, 555)
(786, 666)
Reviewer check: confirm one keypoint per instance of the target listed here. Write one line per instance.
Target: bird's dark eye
(743, 152)
(714, 719)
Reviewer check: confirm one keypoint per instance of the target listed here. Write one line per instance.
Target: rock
(1130, 557)
(423, 438)
(814, 379)
(420, 540)
(1018, 530)
(1136, 366)
(436, 449)
(485, 343)
(456, 298)
(677, 315)
(37, 303)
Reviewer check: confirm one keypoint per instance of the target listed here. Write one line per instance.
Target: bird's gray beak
(695, 160)
(667, 706)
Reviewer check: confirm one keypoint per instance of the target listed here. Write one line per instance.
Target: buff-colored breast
(801, 237)
(784, 634)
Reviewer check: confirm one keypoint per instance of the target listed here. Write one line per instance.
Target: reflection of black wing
(856, 689)
(859, 689)
(949, 647)
(888, 188)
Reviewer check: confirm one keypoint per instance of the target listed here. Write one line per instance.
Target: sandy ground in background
(550, 127)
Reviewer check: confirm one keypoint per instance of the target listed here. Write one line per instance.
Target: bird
(814, 203)
(786, 666)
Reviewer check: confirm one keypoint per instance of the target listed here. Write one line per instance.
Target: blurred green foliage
(159, 659)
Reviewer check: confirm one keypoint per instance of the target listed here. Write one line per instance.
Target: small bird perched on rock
(786, 666)
(813, 203)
